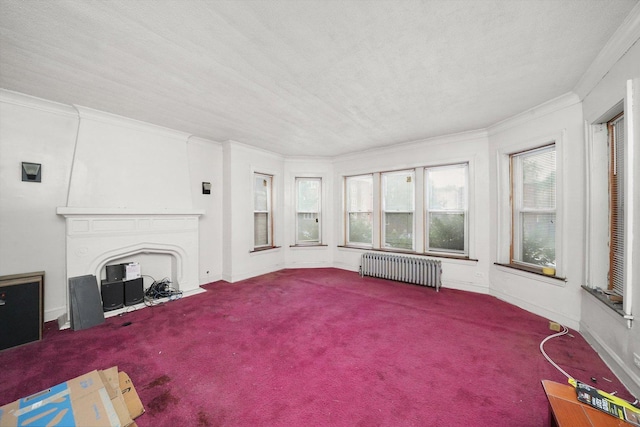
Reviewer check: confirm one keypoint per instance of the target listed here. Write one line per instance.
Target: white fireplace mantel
(96, 237)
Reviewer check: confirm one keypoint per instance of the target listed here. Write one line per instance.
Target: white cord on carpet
(559, 334)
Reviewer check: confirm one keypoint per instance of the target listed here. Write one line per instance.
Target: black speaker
(115, 272)
(112, 295)
(133, 291)
(20, 310)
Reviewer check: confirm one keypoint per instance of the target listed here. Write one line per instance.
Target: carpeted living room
(320, 213)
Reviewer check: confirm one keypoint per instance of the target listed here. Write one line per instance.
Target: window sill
(310, 245)
(604, 298)
(526, 271)
(266, 248)
(427, 254)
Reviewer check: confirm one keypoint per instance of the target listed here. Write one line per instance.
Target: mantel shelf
(77, 211)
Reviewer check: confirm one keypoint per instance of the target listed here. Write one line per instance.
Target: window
(397, 209)
(262, 215)
(308, 229)
(359, 210)
(446, 209)
(533, 202)
(616, 204)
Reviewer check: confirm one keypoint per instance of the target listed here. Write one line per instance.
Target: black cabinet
(21, 309)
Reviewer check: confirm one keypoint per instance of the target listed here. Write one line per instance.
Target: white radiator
(419, 271)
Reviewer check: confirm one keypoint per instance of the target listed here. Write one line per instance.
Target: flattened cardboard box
(94, 399)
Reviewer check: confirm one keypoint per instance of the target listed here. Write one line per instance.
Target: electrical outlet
(636, 359)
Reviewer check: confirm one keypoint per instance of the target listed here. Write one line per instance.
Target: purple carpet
(319, 347)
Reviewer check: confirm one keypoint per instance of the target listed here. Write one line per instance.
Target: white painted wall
(32, 235)
(559, 120)
(604, 328)
(309, 256)
(239, 259)
(205, 165)
(467, 147)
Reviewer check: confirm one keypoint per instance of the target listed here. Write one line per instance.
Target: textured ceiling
(314, 77)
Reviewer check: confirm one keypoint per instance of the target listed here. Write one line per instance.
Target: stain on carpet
(203, 419)
(158, 381)
(162, 402)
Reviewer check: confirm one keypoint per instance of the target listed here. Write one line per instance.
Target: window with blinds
(398, 204)
(359, 210)
(533, 199)
(262, 215)
(446, 208)
(616, 204)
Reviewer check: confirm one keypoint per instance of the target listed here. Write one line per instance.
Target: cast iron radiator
(419, 271)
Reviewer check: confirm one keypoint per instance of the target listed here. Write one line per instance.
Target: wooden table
(566, 411)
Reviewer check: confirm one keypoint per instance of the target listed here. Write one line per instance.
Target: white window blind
(359, 210)
(534, 207)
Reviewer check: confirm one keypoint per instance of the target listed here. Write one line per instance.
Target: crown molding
(87, 113)
(625, 36)
(549, 107)
(35, 103)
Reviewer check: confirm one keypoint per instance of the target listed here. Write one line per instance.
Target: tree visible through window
(398, 207)
(533, 198)
(359, 209)
(446, 204)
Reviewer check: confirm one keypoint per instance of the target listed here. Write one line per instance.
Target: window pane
(447, 188)
(539, 239)
(308, 227)
(539, 180)
(260, 193)
(446, 231)
(308, 195)
(398, 230)
(261, 228)
(360, 227)
(398, 191)
(360, 193)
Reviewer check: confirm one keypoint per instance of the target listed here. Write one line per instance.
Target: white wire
(559, 334)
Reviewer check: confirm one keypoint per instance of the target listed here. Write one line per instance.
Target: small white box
(132, 271)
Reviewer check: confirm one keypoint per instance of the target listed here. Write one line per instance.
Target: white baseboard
(536, 309)
(624, 373)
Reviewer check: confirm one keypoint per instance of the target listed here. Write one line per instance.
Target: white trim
(536, 309)
(86, 113)
(625, 36)
(629, 185)
(28, 101)
(627, 376)
(544, 109)
(503, 208)
(411, 145)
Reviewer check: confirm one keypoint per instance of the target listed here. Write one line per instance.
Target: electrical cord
(564, 331)
(162, 289)
(546, 356)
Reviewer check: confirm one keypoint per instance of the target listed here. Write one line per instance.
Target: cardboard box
(93, 399)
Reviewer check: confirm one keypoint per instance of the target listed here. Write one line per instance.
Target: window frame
(504, 229)
(384, 211)
(464, 211)
(268, 178)
(518, 210)
(348, 212)
(298, 242)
